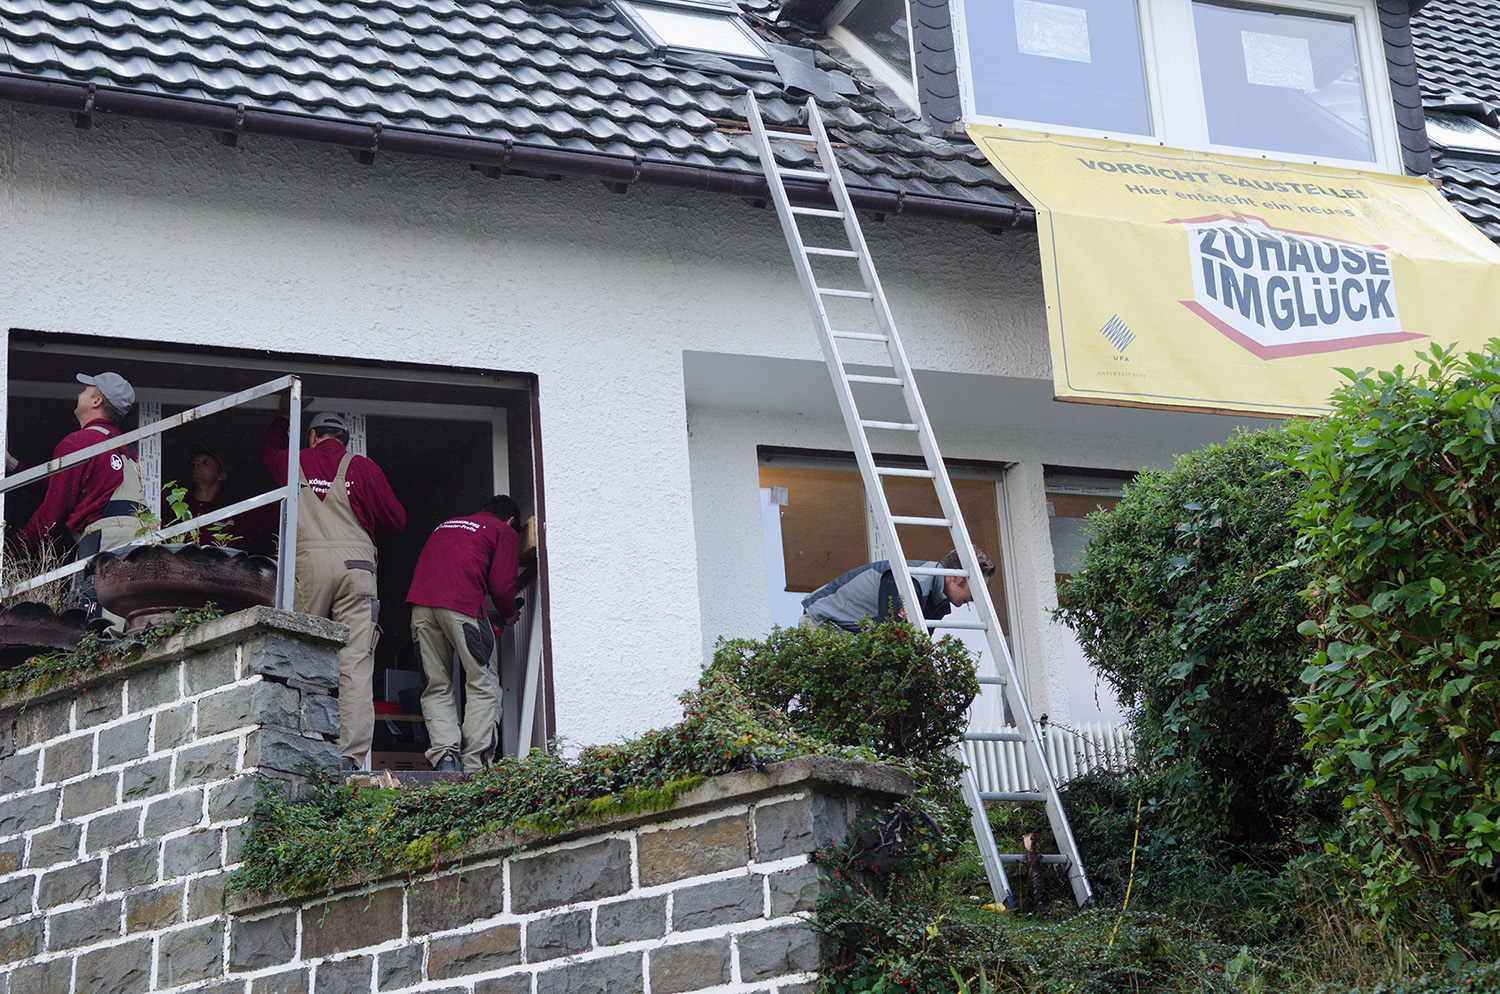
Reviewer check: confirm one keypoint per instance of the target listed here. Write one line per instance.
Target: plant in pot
(45, 619)
(149, 581)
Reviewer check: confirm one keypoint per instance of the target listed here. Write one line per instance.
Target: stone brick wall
(123, 807)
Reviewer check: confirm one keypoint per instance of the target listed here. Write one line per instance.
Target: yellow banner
(1216, 283)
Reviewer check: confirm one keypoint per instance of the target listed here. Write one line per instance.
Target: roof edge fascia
(620, 170)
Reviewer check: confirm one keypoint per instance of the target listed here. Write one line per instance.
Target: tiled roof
(564, 75)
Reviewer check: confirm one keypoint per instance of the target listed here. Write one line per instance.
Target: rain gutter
(366, 139)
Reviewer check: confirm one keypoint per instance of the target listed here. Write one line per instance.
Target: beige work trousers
(339, 584)
(439, 633)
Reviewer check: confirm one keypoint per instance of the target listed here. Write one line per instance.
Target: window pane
(689, 29)
(1074, 64)
(1282, 82)
(882, 25)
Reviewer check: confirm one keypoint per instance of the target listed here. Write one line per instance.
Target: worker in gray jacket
(869, 591)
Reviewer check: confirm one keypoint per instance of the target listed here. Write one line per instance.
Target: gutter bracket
(366, 157)
(231, 139)
(635, 174)
(84, 119)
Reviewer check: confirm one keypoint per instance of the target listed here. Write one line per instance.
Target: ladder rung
(803, 173)
(788, 136)
(925, 474)
(889, 425)
(817, 212)
(908, 519)
(935, 571)
(992, 681)
(1027, 796)
(994, 737)
(856, 294)
(836, 253)
(894, 381)
(1054, 858)
(858, 336)
(970, 626)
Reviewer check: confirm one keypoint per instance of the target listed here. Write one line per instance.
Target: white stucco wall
(158, 234)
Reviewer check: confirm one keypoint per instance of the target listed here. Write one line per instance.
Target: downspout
(507, 155)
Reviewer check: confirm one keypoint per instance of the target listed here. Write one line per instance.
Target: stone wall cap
(240, 626)
(820, 774)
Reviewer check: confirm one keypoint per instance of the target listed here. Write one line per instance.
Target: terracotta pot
(29, 628)
(150, 582)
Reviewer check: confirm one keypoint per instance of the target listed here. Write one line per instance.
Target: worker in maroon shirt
(205, 485)
(463, 560)
(341, 500)
(98, 502)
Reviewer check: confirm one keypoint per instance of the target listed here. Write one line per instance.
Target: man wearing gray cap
(342, 499)
(97, 501)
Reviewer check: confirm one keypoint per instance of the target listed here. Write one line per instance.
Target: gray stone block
(689, 966)
(68, 884)
(631, 921)
(794, 828)
(148, 909)
(122, 969)
(132, 867)
(206, 895)
(514, 983)
(557, 936)
(203, 671)
(566, 876)
(266, 942)
(797, 890)
(235, 837)
(118, 828)
(399, 968)
(12, 851)
(174, 813)
(94, 794)
(68, 758)
(351, 923)
(96, 705)
(288, 751)
(694, 850)
(146, 779)
(85, 926)
(42, 722)
(18, 773)
(190, 954)
(285, 661)
(612, 975)
(320, 715)
(172, 728)
(16, 896)
(22, 940)
(55, 845)
(705, 905)
(28, 811)
(478, 952)
(235, 799)
(206, 763)
(52, 977)
(191, 853)
(124, 743)
(777, 952)
(153, 688)
(291, 982)
(345, 976)
(455, 899)
(249, 705)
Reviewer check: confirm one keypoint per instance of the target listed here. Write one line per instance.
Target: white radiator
(999, 766)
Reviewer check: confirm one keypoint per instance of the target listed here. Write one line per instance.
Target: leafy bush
(1180, 602)
(887, 687)
(1400, 542)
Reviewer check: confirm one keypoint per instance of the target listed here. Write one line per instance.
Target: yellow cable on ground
(1130, 882)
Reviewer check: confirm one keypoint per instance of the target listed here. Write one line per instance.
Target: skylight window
(878, 33)
(694, 27)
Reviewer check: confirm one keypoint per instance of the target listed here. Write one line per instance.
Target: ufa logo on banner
(1281, 293)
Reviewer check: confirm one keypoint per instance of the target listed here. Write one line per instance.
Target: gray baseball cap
(112, 387)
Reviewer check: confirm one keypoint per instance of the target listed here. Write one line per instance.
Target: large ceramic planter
(149, 583)
(29, 628)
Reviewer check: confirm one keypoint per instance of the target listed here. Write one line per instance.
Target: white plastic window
(698, 28)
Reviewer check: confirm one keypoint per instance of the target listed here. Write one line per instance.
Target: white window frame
(729, 11)
(902, 85)
(1174, 90)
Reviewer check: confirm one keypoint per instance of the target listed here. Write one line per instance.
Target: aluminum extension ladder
(897, 374)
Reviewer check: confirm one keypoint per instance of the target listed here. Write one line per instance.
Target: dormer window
(878, 34)
(694, 26)
(1304, 81)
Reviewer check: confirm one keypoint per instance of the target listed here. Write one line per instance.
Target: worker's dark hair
(502, 507)
(950, 561)
(328, 431)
